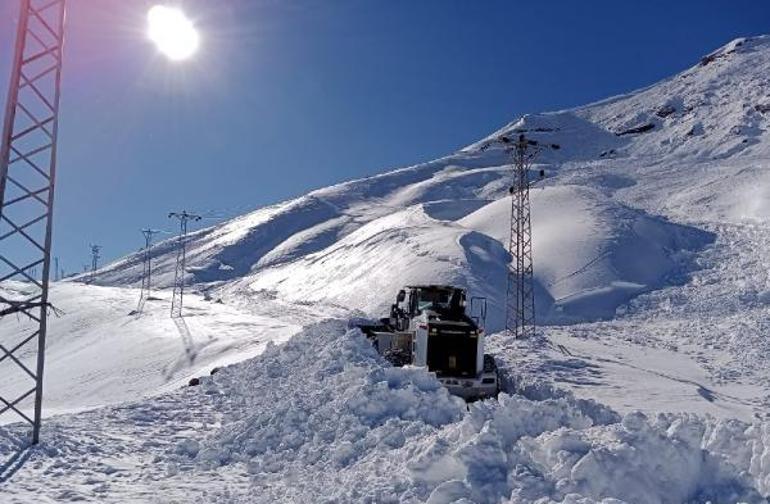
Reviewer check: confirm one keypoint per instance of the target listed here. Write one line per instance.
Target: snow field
(339, 424)
(99, 353)
(351, 428)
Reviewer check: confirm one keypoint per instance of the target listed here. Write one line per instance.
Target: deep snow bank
(324, 387)
(593, 254)
(523, 451)
(324, 417)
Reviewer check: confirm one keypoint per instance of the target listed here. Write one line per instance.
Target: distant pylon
(147, 268)
(520, 294)
(95, 249)
(181, 256)
(56, 269)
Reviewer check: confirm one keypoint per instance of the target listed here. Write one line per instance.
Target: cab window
(433, 298)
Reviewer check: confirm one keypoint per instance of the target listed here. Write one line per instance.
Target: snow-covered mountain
(652, 282)
(624, 169)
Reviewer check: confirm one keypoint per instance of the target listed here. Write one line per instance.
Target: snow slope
(110, 356)
(340, 425)
(592, 253)
(695, 118)
(649, 381)
(424, 232)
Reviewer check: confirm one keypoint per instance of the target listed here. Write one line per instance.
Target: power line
(181, 257)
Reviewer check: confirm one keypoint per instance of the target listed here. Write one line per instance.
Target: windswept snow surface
(338, 424)
(648, 381)
(101, 353)
(592, 253)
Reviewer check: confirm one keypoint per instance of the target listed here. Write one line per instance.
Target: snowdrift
(593, 254)
(352, 428)
(391, 434)
(339, 422)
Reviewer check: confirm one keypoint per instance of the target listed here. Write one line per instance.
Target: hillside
(637, 164)
(648, 382)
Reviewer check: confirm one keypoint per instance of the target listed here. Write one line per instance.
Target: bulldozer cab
(437, 298)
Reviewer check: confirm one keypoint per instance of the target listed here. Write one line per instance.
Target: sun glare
(172, 32)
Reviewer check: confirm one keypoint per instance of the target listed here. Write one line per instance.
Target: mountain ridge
(592, 139)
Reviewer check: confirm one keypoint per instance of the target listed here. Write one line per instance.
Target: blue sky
(286, 96)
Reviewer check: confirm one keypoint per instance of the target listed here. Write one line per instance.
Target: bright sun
(174, 35)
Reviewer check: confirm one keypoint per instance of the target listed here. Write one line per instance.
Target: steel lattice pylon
(146, 268)
(95, 250)
(181, 259)
(520, 295)
(27, 176)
